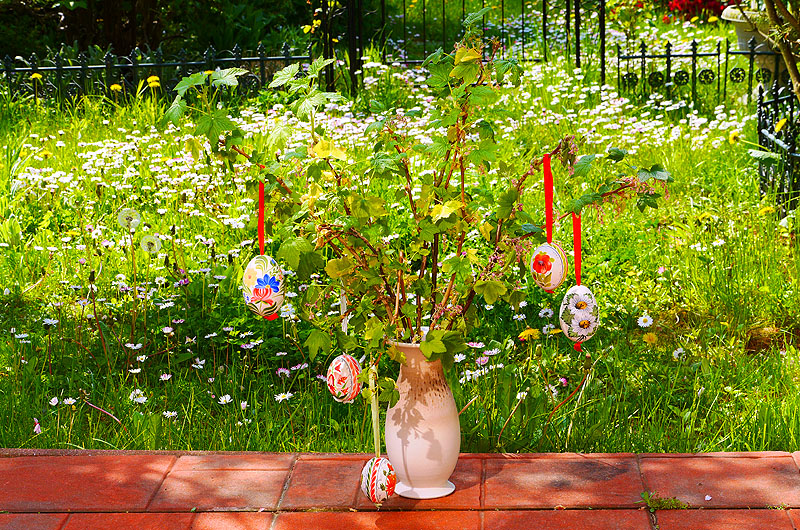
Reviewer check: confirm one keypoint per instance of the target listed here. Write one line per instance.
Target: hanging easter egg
(579, 314)
(342, 378)
(549, 266)
(262, 287)
(378, 479)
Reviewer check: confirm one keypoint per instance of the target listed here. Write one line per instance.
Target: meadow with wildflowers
(123, 241)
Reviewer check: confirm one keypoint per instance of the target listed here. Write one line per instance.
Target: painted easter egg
(549, 266)
(579, 314)
(378, 479)
(342, 378)
(263, 287)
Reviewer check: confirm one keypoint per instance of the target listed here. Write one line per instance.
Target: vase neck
(415, 359)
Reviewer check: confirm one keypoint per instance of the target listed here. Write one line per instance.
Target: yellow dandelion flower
(712, 19)
(734, 137)
(779, 125)
(35, 76)
(153, 84)
(529, 334)
(766, 210)
(153, 79)
(694, 19)
(208, 72)
(115, 88)
(650, 338)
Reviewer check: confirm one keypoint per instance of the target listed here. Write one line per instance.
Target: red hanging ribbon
(577, 346)
(576, 239)
(261, 217)
(548, 197)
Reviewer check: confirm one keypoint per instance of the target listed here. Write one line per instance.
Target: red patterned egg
(263, 287)
(378, 479)
(549, 266)
(342, 378)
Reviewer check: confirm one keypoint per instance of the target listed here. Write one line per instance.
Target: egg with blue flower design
(263, 287)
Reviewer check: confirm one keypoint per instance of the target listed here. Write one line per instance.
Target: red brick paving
(266, 491)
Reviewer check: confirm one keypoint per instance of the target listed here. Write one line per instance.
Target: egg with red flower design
(342, 378)
(549, 266)
(263, 287)
(378, 479)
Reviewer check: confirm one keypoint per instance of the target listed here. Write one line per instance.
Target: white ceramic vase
(423, 436)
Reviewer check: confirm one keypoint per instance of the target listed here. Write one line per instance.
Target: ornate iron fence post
(544, 32)
(83, 61)
(108, 59)
(694, 71)
(602, 42)
(577, 33)
(668, 76)
(135, 67)
(58, 61)
(751, 46)
(8, 66)
(643, 53)
(262, 68)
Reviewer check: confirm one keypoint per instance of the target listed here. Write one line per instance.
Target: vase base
(404, 490)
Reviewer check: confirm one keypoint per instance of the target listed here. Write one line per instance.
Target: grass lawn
(699, 321)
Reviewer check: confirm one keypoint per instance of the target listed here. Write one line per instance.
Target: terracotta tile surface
(730, 482)
(129, 521)
(467, 479)
(219, 490)
(449, 520)
(278, 462)
(723, 520)
(80, 483)
(568, 520)
(232, 521)
(32, 521)
(341, 479)
(571, 481)
(243, 491)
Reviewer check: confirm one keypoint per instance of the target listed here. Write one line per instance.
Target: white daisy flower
(645, 321)
(583, 324)
(546, 313)
(224, 400)
(283, 396)
(581, 302)
(137, 396)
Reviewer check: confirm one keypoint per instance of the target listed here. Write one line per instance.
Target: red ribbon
(261, 217)
(548, 197)
(577, 346)
(576, 239)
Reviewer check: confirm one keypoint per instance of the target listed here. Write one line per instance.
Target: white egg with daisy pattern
(579, 314)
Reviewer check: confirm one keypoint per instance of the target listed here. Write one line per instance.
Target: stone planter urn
(755, 25)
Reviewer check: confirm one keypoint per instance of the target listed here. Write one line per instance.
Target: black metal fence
(699, 75)
(777, 132)
(408, 31)
(66, 79)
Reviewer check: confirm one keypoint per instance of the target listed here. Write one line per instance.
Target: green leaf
(317, 66)
(190, 81)
(175, 111)
(506, 203)
(440, 75)
(655, 172)
(336, 268)
(227, 77)
(491, 290)
(284, 76)
(291, 249)
(214, 124)
(616, 154)
(585, 200)
(583, 165)
(304, 108)
(310, 262)
(374, 330)
(277, 137)
(473, 18)
(467, 71)
(765, 157)
(432, 346)
(375, 126)
(317, 341)
(345, 341)
(482, 95)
